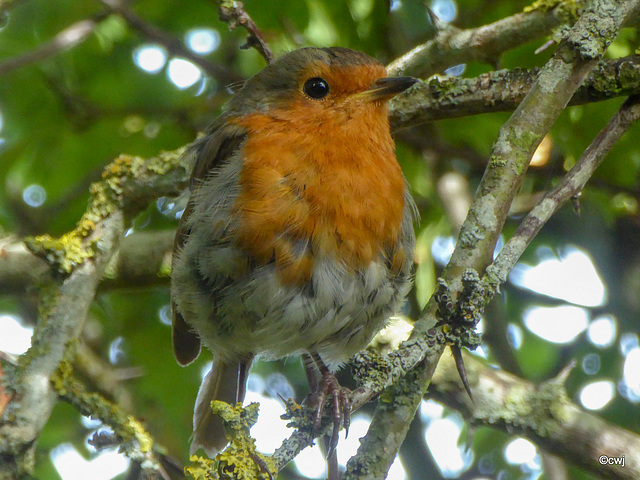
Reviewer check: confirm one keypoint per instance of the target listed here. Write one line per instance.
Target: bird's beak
(386, 88)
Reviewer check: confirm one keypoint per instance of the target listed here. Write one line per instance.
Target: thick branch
(503, 90)
(79, 258)
(143, 259)
(542, 413)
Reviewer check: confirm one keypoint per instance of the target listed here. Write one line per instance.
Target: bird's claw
(341, 401)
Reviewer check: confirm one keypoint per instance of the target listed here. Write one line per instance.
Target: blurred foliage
(63, 118)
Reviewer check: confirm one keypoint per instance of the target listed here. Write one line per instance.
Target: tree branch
(172, 44)
(443, 97)
(542, 413)
(143, 259)
(79, 259)
(452, 46)
(131, 436)
(66, 39)
(234, 14)
(558, 80)
(572, 183)
(98, 236)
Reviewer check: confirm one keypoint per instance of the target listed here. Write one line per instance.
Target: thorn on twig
(575, 203)
(564, 373)
(438, 24)
(457, 356)
(543, 47)
(234, 14)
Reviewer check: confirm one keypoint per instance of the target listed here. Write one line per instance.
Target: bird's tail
(225, 381)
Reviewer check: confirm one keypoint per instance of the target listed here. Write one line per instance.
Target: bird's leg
(243, 374)
(312, 372)
(328, 385)
(314, 378)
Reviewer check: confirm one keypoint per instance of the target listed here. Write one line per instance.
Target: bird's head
(319, 82)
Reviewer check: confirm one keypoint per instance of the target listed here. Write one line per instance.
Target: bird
(298, 234)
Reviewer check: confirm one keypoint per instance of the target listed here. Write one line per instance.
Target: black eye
(316, 87)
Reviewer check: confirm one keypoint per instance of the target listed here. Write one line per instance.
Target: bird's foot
(341, 401)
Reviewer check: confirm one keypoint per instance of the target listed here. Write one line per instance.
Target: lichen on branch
(240, 460)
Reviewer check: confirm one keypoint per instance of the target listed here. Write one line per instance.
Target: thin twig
(452, 46)
(66, 39)
(572, 183)
(172, 44)
(234, 14)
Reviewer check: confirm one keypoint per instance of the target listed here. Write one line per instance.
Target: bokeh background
(140, 90)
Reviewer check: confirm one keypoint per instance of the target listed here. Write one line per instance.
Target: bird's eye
(316, 88)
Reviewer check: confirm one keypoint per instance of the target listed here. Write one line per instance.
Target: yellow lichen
(239, 460)
(143, 437)
(60, 377)
(568, 9)
(107, 195)
(94, 405)
(166, 161)
(201, 468)
(66, 252)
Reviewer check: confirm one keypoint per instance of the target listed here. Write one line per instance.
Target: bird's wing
(209, 152)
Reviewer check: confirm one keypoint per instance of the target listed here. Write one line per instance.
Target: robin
(298, 234)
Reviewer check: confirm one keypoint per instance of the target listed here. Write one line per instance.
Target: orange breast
(318, 185)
